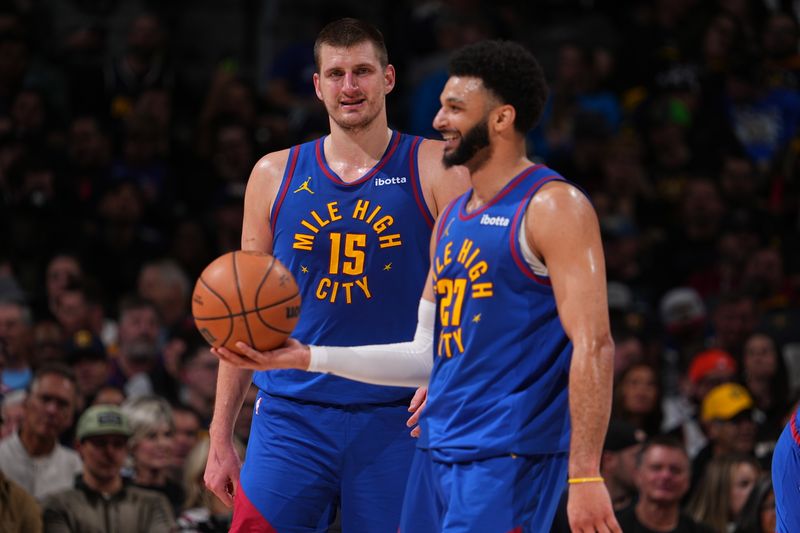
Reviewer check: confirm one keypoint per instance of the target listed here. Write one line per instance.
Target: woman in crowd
(151, 446)
(719, 499)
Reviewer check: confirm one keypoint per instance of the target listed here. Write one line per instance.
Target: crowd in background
(122, 173)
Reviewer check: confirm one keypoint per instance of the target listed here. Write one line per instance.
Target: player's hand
(222, 471)
(292, 354)
(589, 509)
(415, 407)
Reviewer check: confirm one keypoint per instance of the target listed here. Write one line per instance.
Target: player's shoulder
(272, 165)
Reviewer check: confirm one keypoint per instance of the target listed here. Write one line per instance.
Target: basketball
(246, 296)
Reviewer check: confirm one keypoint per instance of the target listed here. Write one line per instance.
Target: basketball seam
(241, 299)
(249, 311)
(221, 299)
(273, 305)
(263, 281)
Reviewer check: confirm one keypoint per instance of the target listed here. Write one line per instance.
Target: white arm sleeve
(404, 364)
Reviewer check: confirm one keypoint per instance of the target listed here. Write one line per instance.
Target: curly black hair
(509, 71)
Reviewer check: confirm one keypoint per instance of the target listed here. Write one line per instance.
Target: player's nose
(439, 121)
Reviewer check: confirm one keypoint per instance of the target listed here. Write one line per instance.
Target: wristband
(576, 480)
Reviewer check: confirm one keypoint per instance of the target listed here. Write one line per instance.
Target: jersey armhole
(288, 174)
(416, 182)
(515, 235)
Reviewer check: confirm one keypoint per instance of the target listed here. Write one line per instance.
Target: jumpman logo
(305, 187)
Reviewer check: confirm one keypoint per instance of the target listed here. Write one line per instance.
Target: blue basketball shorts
(305, 458)
(497, 495)
(786, 479)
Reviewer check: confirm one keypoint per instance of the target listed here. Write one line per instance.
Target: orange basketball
(246, 296)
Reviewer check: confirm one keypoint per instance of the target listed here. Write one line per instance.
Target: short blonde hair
(145, 414)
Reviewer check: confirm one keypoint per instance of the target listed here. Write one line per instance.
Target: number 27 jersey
(359, 253)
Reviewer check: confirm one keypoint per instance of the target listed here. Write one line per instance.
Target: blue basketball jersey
(501, 356)
(360, 254)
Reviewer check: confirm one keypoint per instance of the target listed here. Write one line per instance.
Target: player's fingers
(249, 351)
(613, 525)
(416, 432)
(414, 418)
(419, 397)
(218, 489)
(237, 360)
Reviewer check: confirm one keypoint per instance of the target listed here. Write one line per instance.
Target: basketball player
(351, 216)
(785, 476)
(520, 387)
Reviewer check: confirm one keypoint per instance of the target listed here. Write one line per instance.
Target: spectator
(151, 445)
(187, 434)
(662, 476)
(637, 398)
(199, 380)
(166, 285)
(727, 416)
(16, 325)
(86, 355)
(62, 270)
(203, 512)
(734, 319)
(137, 367)
(33, 457)
(707, 369)
(102, 500)
(758, 514)
(618, 463)
(765, 376)
(725, 486)
(109, 395)
(19, 511)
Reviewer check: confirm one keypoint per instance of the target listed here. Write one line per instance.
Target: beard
(475, 140)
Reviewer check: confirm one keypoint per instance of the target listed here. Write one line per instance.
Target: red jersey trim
(463, 215)
(287, 180)
(516, 252)
(416, 182)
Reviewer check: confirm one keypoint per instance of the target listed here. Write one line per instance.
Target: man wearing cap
(101, 499)
(707, 369)
(727, 417)
(786, 476)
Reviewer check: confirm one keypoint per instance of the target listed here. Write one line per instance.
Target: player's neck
(362, 147)
(504, 163)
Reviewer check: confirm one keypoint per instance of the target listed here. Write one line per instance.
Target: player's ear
(316, 85)
(503, 117)
(389, 78)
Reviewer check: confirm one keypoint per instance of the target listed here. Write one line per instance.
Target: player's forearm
(232, 385)
(590, 388)
(406, 364)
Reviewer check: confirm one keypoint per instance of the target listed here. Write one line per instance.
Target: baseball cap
(621, 435)
(102, 420)
(709, 361)
(725, 401)
(84, 345)
(681, 305)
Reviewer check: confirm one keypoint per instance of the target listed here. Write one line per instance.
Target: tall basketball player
(520, 386)
(351, 216)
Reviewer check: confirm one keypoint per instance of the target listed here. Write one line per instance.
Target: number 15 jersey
(359, 253)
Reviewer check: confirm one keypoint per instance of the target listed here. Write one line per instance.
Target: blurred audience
(102, 500)
(33, 457)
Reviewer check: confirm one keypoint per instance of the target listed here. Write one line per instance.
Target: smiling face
(463, 121)
(353, 85)
(154, 449)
